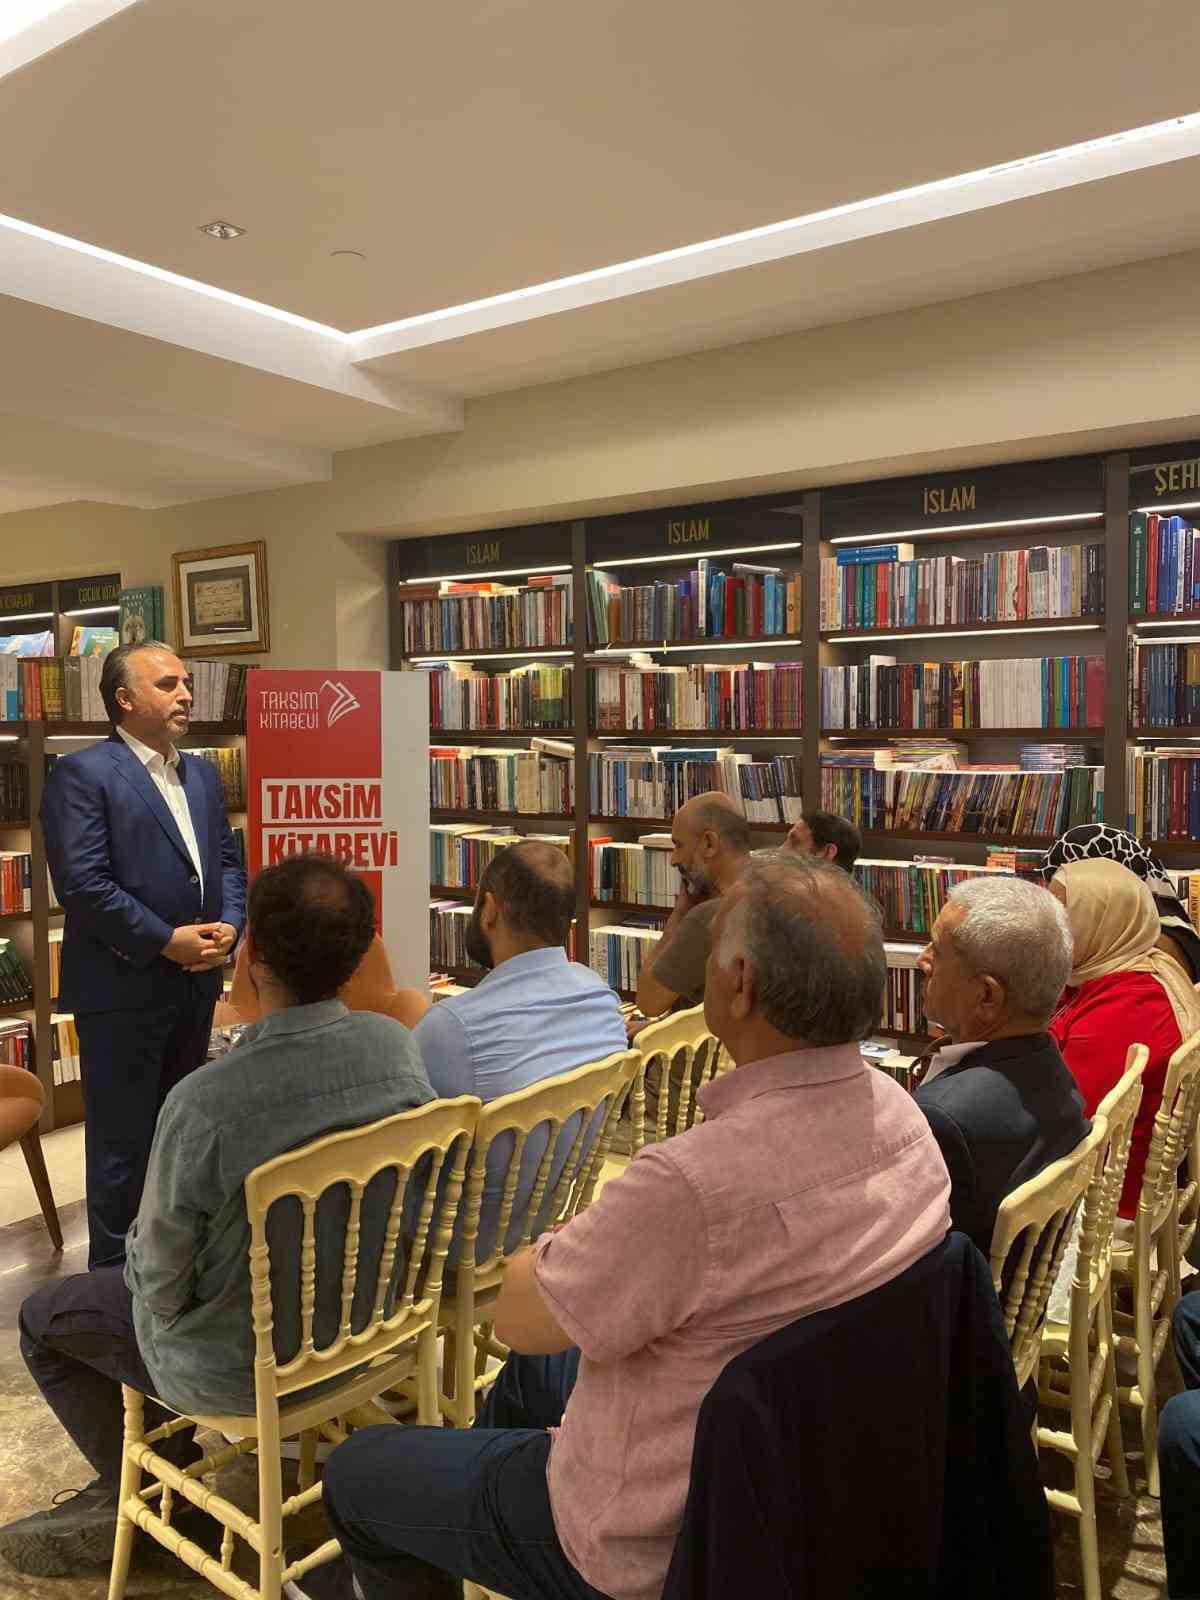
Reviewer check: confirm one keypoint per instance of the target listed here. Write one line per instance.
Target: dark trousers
(78, 1342)
(1179, 1460)
(471, 1502)
(130, 1060)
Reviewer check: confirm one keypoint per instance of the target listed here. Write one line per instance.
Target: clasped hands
(200, 946)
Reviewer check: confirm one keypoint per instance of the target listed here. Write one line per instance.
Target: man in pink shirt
(812, 1180)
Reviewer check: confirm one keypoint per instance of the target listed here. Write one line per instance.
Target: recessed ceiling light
(222, 230)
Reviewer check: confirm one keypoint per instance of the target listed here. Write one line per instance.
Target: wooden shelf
(768, 641)
(15, 916)
(14, 825)
(442, 891)
(15, 1008)
(68, 1103)
(1173, 847)
(933, 630)
(1184, 731)
(14, 729)
(1183, 618)
(470, 735)
(1001, 841)
(629, 908)
(853, 735)
(1089, 531)
(896, 1033)
(905, 936)
(688, 735)
(659, 824)
(502, 816)
(101, 730)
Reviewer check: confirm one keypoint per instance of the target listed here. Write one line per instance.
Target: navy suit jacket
(124, 877)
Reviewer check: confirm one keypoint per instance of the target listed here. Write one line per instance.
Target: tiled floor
(38, 1460)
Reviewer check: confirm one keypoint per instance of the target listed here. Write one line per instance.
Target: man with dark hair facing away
(830, 837)
(534, 1016)
(174, 1323)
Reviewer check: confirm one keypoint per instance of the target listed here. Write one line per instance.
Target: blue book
(858, 555)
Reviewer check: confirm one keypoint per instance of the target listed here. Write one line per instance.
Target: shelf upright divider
(579, 720)
(1116, 634)
(810, 651)
(35, 755)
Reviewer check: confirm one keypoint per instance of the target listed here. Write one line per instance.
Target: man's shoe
(333, 1581)
(79, 1530)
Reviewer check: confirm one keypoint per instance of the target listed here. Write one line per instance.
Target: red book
(1093, 703)
(1152, 562)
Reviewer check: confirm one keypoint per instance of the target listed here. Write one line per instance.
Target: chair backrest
(595, 1095)
(391, 1290)
(1173, 1135)
(1032, 1228)
(679, 1055)
(1093, 1265)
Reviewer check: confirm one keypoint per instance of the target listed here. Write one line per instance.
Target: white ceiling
(471, 150)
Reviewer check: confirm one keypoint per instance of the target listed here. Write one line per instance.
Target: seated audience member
(812, 1180)
(821, 833)
(535, 1015)
(711, 841)
(371, 988)
(1179, 1459)
(998, 1096)
(1124, 990)
(175, 1321)
(1099, 841)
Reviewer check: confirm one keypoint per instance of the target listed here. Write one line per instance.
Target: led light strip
(693, 555)
(659, 649)
(486, 577)
(965, 527)
(669, 735)
(1180, 505)
(1174, 638)
(962, 633)
(1181, 621)
(487, 655)
(91, 611)
(28, 616)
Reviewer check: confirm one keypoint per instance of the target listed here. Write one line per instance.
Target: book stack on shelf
(633, 874)
(448, 924)
(1187, 887)
(1164, 565)
(752, 696)
(750, 601)
(16, 882)
(16, 1043)
(653, 782)
(1164, 794)
(910, 894)
(15, 987)
(1034, 692)
(537, 781)
(1164, 685)
(64, 1048)
(488, 616)
(619, 951)
(27, 644)
(904, 992)
(463, 699)
(231, 769)
(55, 952)
(14, 792)
(218, 690)
(882, 586)
(981, 800)
(458, 854)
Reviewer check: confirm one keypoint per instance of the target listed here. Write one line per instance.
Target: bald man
(711, 840)
(533, 1016)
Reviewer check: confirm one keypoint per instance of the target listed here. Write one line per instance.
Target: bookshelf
(969, 515)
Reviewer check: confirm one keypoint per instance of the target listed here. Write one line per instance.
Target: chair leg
(464, 1362)
(35, 1160)
(1089, 1544)
(131, 1482)
(1116, 1443)
(429, 1411)
(270, 1520)
(308, 1458)
(1147, 1387)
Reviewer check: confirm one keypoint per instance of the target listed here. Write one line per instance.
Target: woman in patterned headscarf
(1098, 841)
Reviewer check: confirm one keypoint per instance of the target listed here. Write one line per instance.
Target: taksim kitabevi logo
(342, 704)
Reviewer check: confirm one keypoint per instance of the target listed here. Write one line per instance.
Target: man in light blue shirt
(535, 1015)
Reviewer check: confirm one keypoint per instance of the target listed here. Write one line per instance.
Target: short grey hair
(813, 941)
(1016, 931)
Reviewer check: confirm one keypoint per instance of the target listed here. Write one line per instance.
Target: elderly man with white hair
(999, 1097)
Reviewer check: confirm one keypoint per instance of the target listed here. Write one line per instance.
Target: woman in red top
(1123, 991)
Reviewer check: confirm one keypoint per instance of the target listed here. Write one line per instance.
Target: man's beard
(697, 882)
(477, 948)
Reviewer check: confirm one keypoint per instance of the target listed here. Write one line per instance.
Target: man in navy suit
(145, 865)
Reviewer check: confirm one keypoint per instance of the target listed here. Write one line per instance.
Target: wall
(1085, 363)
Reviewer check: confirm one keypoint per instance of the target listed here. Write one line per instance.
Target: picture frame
(221, 600)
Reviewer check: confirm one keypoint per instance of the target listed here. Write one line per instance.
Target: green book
(1137, 562)
(141, 614)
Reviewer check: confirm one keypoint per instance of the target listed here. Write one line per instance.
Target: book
(715, 697)
(854, 555)
(15, 986)
(465, 699)
(984, 800)
(1040, 691)
(747, 602)
(142, 614)
(910, 894)
(1164, 685)
(620, 951)
(490, 616)
(467, 778)
(633, 874)
(653, 782)
(1163, 793)
(93, 641)
(16, 882)
(459, 853)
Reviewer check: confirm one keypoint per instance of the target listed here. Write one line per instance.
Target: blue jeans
(472, 1503)
(1179, 1460)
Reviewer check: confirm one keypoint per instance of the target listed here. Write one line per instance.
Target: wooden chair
(401, 1286)
(1078, 1368)
(1029, 1240)
(597, 1090)
(679, 1055)
(1148, 1270)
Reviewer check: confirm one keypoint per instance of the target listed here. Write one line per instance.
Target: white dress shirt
(950, 1057)
(164, 774)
